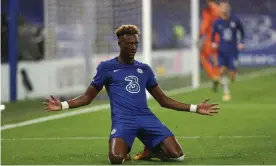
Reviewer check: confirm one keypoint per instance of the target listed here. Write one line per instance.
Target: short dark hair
(127, 30)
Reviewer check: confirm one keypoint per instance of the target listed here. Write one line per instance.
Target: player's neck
(225, 16)
(121, 60)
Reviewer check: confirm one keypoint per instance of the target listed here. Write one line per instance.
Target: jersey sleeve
(151, 82)
(241, 29)
(100, 78)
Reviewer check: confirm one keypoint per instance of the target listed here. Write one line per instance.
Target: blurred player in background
(227, 27)
(207, 53)
(126, 81)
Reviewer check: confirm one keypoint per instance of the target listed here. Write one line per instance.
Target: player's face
(225, 8)
(128, 45)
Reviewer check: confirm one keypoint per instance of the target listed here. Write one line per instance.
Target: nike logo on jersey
(116, 70)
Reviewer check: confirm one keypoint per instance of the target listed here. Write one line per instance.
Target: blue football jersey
(228, 33)
(126, 86)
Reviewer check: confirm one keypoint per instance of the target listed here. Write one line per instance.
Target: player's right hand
(52, 104)
(214, 45)
(241, 46)
(207, 109)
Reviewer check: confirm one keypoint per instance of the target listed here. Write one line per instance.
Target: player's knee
(232, 76)
(172, 149)
(232, 79)
(179, 158)
(116, 158)
(176, 155)
(222, 70)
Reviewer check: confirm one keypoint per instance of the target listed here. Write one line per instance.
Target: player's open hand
(207, 109)
(241, 46)
(52, 104)
(214, 45)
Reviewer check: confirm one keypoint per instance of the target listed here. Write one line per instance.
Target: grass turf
(250, 113)
(30, 109)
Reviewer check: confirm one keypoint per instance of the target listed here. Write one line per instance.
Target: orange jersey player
(209, 15)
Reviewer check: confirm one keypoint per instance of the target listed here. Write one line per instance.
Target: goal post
(80, 34)
(194, 48)
(147, 37)
(146, 26)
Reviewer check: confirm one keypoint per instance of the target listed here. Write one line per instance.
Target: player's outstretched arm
(241, 29)
(167, 102)
(53, 104)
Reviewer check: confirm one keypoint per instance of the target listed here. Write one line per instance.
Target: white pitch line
(58, 116)
(252, 75)
(106, 138)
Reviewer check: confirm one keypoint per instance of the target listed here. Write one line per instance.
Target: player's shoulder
(234, 17)
(142, 65)
(107, 64)
(218, 21)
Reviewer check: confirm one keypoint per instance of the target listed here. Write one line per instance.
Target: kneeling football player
(126, 81)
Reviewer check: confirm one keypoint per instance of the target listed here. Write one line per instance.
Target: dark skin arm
(54, 104)
(167, 102)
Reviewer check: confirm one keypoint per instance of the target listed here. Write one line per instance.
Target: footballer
(126, 81)
(227, 27)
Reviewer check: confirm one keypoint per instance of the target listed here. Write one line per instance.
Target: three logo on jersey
(227, 32)
(133, 85)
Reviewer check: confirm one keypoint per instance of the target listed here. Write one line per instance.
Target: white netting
(171, 29)
(69, 26)
(84, 30)
(111, 15)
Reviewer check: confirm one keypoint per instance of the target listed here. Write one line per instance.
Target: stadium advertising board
(260, 41)
(67, 76)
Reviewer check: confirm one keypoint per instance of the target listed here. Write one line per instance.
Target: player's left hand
(241, 46)
(214, 45)
(52, 104)
(207, 109)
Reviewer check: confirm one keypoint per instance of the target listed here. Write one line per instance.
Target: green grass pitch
(244, 132)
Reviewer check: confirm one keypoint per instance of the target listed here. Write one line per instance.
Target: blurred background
(60, 42)
(52, 47)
